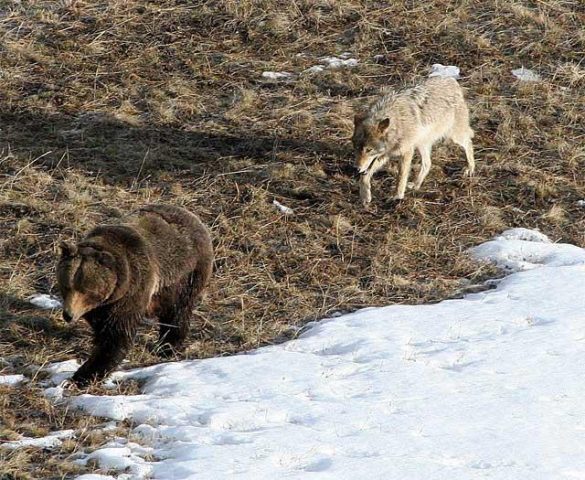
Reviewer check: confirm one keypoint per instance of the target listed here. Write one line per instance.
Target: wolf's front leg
(365, 189)
(112, 341)
(405, 165)
(366, 179)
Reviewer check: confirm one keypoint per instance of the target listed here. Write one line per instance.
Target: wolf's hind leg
(470, 158)
(425, 167)
(405, 165)
(462, 135)
(467, 145)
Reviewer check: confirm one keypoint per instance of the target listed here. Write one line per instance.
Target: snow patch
(283, 208)
(94, 476)
(333, 63)
(448, 71)
(61, 371)
(526, 75)
(121, 455)
(59, 375)
(47, 302)
(523, 234)
(11, 380)
(52, 440)
(56, 394)
(521, 249)
(277, 75)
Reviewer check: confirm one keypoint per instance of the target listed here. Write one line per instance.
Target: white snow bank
(438, 70)
(520, 249)
(47, 302)
(52, 440)
(489, 386)
(526, 75)
(121, 455)
(523, 234)
(12, 379)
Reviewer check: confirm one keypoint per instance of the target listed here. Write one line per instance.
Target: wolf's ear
(383, 125)
(359, 118)
(68, 249)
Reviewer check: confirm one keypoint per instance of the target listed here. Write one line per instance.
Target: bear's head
(87, 278)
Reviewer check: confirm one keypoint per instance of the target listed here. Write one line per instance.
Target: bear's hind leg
(175, 306)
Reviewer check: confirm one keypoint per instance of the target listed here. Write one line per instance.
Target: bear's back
(177, 239)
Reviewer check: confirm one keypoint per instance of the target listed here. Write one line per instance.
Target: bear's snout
(67, 316)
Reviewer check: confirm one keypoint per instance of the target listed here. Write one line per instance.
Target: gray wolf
(397, 124)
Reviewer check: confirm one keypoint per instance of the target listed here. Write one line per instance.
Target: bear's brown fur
(155, 262)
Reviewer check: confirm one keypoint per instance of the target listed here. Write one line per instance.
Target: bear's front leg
(112, 340)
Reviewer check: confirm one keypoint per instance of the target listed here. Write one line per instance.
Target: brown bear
(155, 262)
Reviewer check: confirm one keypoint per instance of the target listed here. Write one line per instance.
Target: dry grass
(109, 105)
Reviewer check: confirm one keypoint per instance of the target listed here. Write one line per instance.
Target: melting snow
(52, 440)
(283, 208)
(490, 385)
(438, 70)
(277, 75)
(526, 75)
(332, 63)
(59, 373)
(93, 476)
(121, 455)
(42, 300)
(11, 379)
(520, 249)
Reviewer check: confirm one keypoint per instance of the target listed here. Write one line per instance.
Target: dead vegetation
(109, 105)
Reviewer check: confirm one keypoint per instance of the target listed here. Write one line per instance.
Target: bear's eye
(105, 259)
(84, 276)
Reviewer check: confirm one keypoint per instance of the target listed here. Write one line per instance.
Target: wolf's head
(86, 277)
(369, 141)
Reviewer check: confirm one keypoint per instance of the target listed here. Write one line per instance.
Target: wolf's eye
(368, 149)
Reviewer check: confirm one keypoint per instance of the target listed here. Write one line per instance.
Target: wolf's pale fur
(398, 123)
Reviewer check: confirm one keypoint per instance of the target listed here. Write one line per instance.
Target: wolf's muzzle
(364, 171)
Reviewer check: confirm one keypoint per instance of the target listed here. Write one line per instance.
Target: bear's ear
(68, 249)
(383, 125)
(105, 259)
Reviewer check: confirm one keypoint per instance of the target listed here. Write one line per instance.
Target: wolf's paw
(412, 186)
(366, 198)
(468, 172)
(397, 198)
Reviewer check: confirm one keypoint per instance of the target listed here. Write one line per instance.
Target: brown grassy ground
(108, 105)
